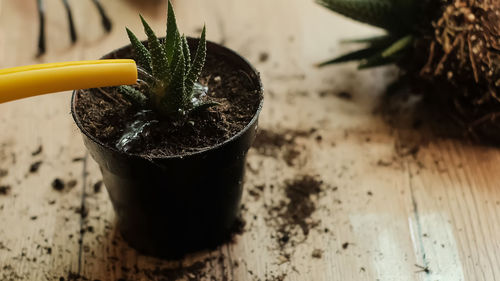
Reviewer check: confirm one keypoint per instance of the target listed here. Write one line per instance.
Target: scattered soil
(334, 93)
(58, 184)
(301, 206)
(9, 273)
(98, 186)
(37, 151)
(3, 173)
(263, 57)
(82, 211)
(280, 277)
(194, 272)
(71, 183)
(317, 254)
(345, 95)
(5, 189)
(281, 144)
(345, 245)
(289, 216)
(105, 113)
(35, 166)
(198, 270)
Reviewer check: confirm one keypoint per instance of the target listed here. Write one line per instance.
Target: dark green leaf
(393, 15)
(159, 59)
(353, 56)
(175, 100)
(133, 95)
(178, 52)
(172, 33)
(398, 46)
(378, 60)
(198, 63)
(141, 52)
(187, 53)
(383, 40)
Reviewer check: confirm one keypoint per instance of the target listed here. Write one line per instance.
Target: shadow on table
(424, 119)
(113, 257)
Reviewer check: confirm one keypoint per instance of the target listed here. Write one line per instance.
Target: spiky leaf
(172, 32)
(187, 53)
(133, 95)
(141, 52)
(175, 100)
(398, 46)
(353, 56)
(198, 63)
(393, 15)
(158, 56)
(379, 60)
(177, 51)
(381, 40)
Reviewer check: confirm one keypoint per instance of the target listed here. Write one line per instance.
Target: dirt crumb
(58, 184)
(263, 57)
(82, 211)
(72, 183)
(3, 173)
(35, 166)
(334, 93)
(37, 151)
(317, 253)
(280, 277)
(4, 189)
(345, 95)
(98, 186)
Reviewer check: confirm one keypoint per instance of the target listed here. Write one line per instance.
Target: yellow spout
(32, 80)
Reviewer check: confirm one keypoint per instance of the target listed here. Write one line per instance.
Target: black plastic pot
(174, 205)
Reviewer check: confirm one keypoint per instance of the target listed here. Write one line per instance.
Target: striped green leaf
(159, 59)
(140, 51)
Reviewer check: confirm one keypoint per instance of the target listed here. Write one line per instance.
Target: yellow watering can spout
(32, 80)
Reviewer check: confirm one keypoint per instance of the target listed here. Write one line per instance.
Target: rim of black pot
(223, 49)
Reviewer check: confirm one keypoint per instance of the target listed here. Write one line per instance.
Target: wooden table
(395, 203)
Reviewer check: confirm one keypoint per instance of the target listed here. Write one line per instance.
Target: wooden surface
(395, 203)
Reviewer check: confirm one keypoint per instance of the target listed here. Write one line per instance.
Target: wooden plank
(457, 203)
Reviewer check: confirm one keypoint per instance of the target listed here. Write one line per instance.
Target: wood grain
(396, 203)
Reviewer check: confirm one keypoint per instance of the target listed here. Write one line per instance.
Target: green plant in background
(398, 17)
(171, 84)
(450, 45)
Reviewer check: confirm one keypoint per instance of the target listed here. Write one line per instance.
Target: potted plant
(172, 148)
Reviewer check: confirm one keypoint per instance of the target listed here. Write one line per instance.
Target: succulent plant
(451, 43)
(398, 17)
(170, 85)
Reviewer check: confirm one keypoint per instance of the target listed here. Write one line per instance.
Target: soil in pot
(105, 114)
